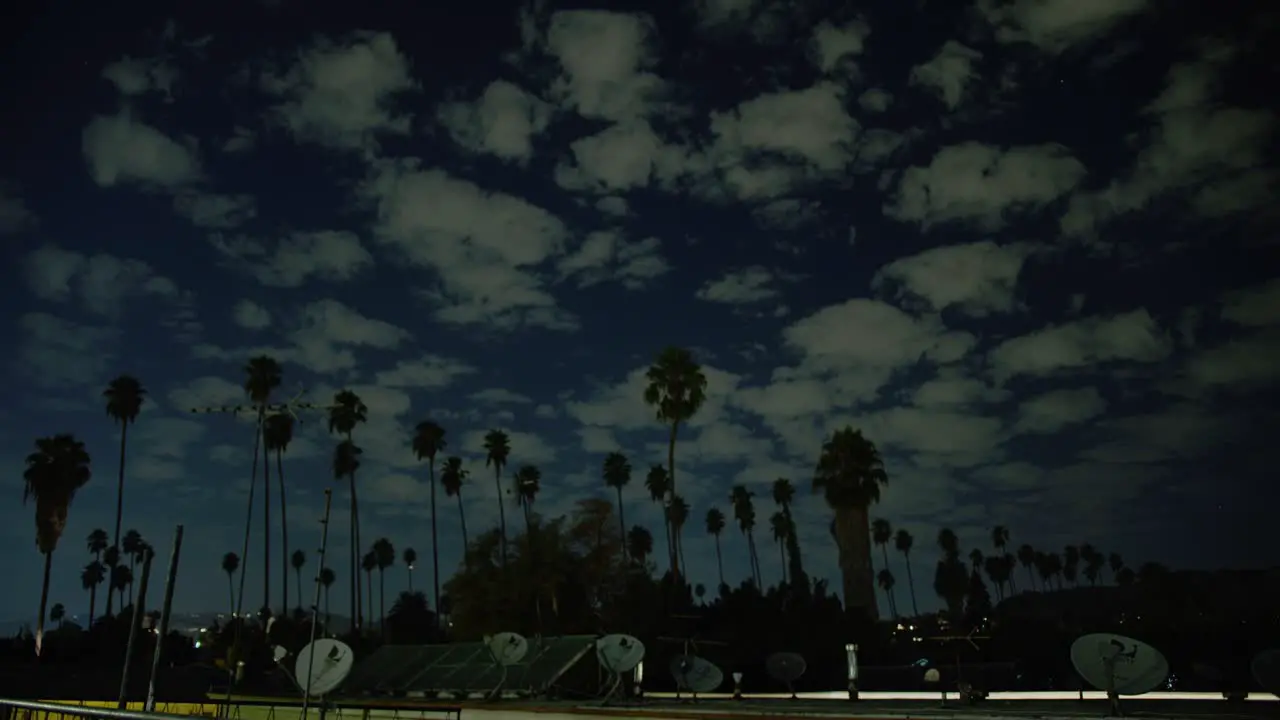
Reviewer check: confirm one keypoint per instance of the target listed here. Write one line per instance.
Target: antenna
(786, 668)
(618, 654)
(1118, 665)
(506, 649)
(695, 674)
(965, 690)
(324, 664)
(1266, 670)
(315, 603)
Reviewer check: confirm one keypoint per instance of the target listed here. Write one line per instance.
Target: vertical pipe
(315, 606)
(138, 605)
(163, 630)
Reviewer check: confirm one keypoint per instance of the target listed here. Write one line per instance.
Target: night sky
(1029, 248)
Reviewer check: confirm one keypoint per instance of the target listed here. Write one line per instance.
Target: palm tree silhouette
(57, 613)
(497, 447)
(778, 528)
(617, 475)
(658, 483)
(298, 560)
(231, 563)
(409, 556)
(262, 377)
(90, 578)
(428, 439)
(744, 512)
(125, 396)
(327, 579)
(452, 478)
(715, 526)
(850, 475)
(279, 433)
(784, 494)
(58, 468)
(347, 412)
(886, 582)
(133, 546)
(385, 554)
(369, 563)
(902, 542)
(639, 544)
(676, 390)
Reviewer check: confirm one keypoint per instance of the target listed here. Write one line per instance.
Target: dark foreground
(925, 709)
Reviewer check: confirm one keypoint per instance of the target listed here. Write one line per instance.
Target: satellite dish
(1266, 670)
(695, 674)
(508, 648)
(932, 675)
(333, 660)
(786, 668)
(1118, 664)
(619, 653)
(279, 654)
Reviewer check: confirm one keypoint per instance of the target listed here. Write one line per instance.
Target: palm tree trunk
(782, 560)
(435, 544)
(133, 573)
(719, 561)
(355, 558)
(266, 518)
(369, 586)
(502, 511)
(248, 520)
(410, 579)
(462, 519)
(382, 601)
(667, 531)
(284, 538)
(298, 573)
(44, 600)
(671, 479)
(622, 526)
(853, 541)
(680, 545)
(124, 441)
(93, 603)
(231, 593)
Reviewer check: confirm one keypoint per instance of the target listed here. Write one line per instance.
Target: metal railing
(32, 710)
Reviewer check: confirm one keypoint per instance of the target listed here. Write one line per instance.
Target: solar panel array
(465, 667)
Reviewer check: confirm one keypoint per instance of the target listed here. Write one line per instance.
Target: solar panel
(371, 674)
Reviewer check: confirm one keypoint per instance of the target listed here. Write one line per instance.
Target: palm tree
(346, 461)
(385, 553)
(902, 542)
(57, 613)
(90, 578)
(1000, 541)
(326, 581)
(976, 558)
(1027, 558)
(369, 563)
(778, 528)
(298, 560)
(528, 483)
(881, 535)
(1071, 564)
(279, 433)
(951, 578)
(55, 471)
(617, 474)
(428, 439)
(453, 477)
(1093, 562)
(640, 544)
(676, 390)
(1115, 563)
(994, 566)
(497, 448)
(346, 412)
(124, 396)
(849, 475)
(410, 556)
(97, 542)
(715, 526)
(230, 564)
(134, 547)
(121, 580)
(784, 493)
(678, 515)
(886, 582)
(262, 377)
(658, 483)
(744, 512)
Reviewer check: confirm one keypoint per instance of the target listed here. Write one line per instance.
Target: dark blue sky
(1028, 247)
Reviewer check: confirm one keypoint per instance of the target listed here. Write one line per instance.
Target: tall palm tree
(715, 526)
(658, 483)
(678, 515)
(886, 582)
(327, 579)
(1093, 562)
(230, 564)
(58, 613)
(125, 396)
(744, 512)
(1027, 558)
(262, 375)
(994, 566)
(428, 439)
(951, 578)
(784, 494)
(97, 543)
(346, 461)
(90, 578)
(1000, 541)
(850, 475)
(298, 560)
(385, 553)
(410, 557)
(528, 483)
(132, 545)
(778, 528)
(497, 448)
(1071, 564)
(279, 433)
(975, 559)
(369, 563)
(617, 475)
(453, 477)
(676, 390)
(882, 535)
(902, 542)
(1115, 564)
(121, 580)
(58, 468)
(640, 544)
(346, 412)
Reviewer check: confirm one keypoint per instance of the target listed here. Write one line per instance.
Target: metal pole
(315, 606)
(163, 630)
(133, 628)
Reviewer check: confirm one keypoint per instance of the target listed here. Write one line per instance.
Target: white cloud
(58, 353)
(1128, 337)
(740, 287)
(120, 149)
(949, 73)
(425, 371)
(1052, 411)
(1056, 25)
(1256, 306)
(136, 76)
(101, 282)
(605, 256)
(977, 278)
(604, 57)
(499, 396)
(332, 255)
(502, 122)
(831, 44)
(250, 315)
(211, 210)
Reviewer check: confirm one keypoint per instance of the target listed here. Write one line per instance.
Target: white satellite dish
(507, 648)
(1118, 664)
(932, 675)
(1266, 670)
(696, 675)
(332, 664)
(619, 653)
(279, 654)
